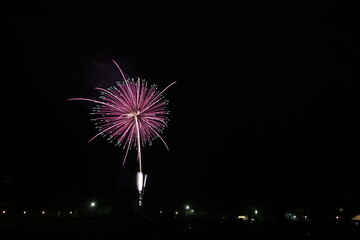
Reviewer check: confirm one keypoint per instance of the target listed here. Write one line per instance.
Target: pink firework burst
(131, 113)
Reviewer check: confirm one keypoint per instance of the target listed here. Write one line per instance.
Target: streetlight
(187, 207)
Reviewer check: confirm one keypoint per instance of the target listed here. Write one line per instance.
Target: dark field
(163, 227)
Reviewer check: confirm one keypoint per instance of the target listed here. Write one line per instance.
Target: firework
(131, 114)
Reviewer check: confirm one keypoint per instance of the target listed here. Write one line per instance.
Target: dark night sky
(265, 105)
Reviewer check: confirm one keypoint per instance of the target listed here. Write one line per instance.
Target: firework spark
(132, 114)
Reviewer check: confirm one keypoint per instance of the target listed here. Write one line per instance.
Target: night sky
(265, 108)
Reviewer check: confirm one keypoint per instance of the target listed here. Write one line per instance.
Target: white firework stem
(138, 142)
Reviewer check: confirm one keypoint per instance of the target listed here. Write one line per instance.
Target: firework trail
(130, 114)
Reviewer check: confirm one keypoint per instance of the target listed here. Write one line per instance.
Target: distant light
(161, 212)
(337, 217)
(3, 212)
(256, 211)
(243, 217)
(24, 212)
(341, 209)
(294, 217)
(176, 213)
(71, 212)
(187, 207)
(92, 204)
(43, 212)
(305, 217)
(192, 210)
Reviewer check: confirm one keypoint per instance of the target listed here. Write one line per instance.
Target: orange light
(243, 217)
